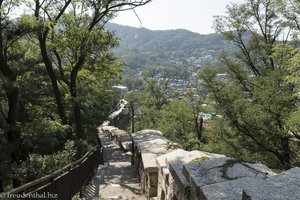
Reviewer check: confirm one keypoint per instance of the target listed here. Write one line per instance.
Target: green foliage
(32, 125)
(289, 61)
(83, 146)
(191, 142)
(258, 117)
(37, 165)
(223, 139)
(255, 100)
(5, 160)
(200, 159)
(45, 136)
(80, 49)
(175, 119)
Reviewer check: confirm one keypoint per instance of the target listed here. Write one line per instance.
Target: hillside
(142, 48)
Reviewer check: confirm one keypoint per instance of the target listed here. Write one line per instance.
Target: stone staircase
(117, 179)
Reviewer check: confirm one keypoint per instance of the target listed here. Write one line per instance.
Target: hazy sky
(194, 15)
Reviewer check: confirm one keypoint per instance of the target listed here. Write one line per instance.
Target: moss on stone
(199, 159)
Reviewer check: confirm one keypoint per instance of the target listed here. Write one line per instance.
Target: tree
(196, 104)
(76, 39)
(87, 26)
(158, 88)
(290, 9)
(11, 33)
(289, 57)
(33, 94)
(47, 14)
(254, 99)
(177, 121)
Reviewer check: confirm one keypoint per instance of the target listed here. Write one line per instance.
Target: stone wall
(168, 172)
(120, 117)
(172, 183)
(148, 145)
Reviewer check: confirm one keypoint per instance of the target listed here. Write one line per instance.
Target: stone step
(120, 164)
(120, 172)
(121, 191)
(116, 179)
(124, 198)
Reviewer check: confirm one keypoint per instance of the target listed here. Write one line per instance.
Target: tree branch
(59, 65)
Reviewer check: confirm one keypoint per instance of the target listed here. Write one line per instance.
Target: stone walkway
(117, 179)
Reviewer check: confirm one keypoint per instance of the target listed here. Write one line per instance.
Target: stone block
(284, 186)
(231, 189)
(129, 156)
(222, 170)
(173, 183)
(127, 145)
(149, 144)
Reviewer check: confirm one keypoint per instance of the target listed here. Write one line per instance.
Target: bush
(38, 165)
(45, 136)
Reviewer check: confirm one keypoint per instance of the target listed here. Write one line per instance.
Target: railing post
(132, 117)
(100, 149)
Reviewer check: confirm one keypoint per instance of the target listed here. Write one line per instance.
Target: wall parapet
(168, 172)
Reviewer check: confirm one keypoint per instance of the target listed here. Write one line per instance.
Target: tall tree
(11, 32)
(77, 47)
(47, 14)
(254, 99)
(101, 12)
(289, 57)
(90, 14)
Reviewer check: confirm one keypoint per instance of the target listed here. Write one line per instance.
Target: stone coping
(119, 108)
(151, 144)
(178, 159)
(221, 170)
(284, 186)
(108, 128)
(232, 189)
(121, 135)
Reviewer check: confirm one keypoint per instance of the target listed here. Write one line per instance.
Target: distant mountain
(142, 48)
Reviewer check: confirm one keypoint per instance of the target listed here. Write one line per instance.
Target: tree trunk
(52, 76)
(75, 103)
(285, 155)
(13, 134)
(1, 184)
(76, 109)
(199, 128)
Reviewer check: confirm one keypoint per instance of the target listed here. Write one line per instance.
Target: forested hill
(143, 48)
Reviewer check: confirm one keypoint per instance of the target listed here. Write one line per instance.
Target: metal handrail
(48, 179)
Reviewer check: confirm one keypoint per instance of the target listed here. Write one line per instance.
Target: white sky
(194, 15)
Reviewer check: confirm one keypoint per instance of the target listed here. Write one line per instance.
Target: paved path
(117, 179)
